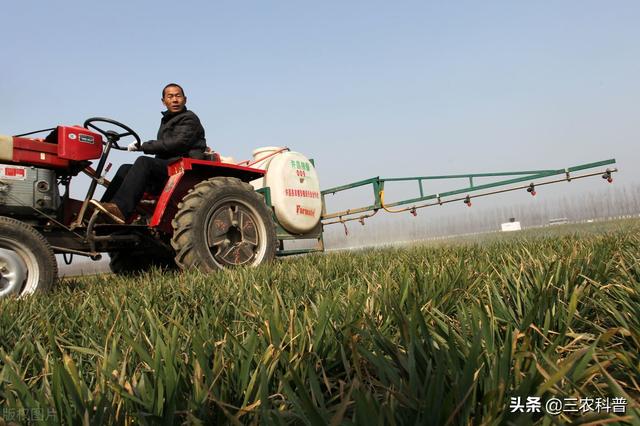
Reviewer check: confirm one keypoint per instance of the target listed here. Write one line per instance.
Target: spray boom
(508, 181)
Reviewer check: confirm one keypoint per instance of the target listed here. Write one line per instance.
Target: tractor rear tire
(27, 261)
(222, 222)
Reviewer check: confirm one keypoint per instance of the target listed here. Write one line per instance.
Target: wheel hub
(13, 272)
(232, 235)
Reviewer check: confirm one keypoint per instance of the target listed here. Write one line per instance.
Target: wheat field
(447, 333)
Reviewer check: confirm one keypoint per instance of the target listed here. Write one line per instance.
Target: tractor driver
(180, 135)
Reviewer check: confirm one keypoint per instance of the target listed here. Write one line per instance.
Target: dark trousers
(116, 183)
(131, 181)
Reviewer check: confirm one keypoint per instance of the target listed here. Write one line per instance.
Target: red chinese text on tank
(304, 193)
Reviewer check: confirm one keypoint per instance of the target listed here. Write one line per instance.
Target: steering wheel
(111, 135)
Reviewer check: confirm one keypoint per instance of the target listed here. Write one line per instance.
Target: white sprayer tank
(294, 186)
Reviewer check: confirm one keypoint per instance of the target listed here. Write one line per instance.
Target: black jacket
(180, 135)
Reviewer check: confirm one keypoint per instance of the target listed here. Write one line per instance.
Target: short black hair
(173, 85)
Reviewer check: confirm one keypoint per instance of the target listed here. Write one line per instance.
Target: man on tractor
(180, 135)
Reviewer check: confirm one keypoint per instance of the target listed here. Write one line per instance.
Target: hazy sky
(365, 88)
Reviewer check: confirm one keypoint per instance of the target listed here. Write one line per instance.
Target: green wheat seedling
(443, 334)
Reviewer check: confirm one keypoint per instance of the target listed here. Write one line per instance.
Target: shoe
(111, 210)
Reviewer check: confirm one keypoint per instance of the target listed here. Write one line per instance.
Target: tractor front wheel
(223, 223)
(27, 262)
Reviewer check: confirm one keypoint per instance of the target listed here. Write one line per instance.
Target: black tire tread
(191, 203)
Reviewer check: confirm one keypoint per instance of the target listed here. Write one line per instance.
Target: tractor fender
(184, 174)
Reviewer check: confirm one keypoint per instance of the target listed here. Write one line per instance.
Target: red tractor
(206, 216)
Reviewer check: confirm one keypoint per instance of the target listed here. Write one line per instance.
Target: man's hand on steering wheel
(112, 136)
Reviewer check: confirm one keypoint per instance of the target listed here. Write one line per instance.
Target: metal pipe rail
(377, 184)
